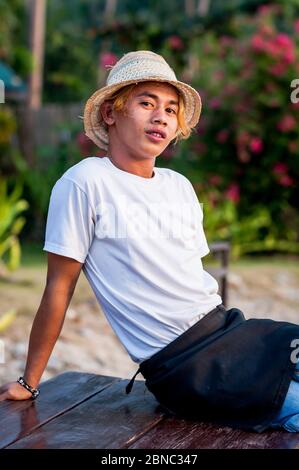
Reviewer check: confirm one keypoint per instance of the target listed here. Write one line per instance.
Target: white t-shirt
(141, 241)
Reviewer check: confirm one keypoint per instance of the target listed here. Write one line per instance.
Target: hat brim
(94, 126)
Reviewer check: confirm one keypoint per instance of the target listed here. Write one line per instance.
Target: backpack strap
(131, 383)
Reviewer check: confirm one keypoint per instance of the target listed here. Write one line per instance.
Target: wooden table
(86, 411)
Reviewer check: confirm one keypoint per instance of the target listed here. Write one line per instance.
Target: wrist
(34, 391)
(31, 379)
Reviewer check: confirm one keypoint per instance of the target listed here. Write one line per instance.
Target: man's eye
(170, 110)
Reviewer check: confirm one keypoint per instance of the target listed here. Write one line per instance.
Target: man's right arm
(62, 276)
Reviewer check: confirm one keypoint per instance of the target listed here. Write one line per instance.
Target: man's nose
(159, 116)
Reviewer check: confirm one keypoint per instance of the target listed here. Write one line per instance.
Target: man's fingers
(3, 396)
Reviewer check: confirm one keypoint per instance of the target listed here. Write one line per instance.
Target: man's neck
(143, 168)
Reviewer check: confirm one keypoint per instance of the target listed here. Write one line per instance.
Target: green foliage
(243, 158)
(7, 126)
(78, 33)
(253, 233)
(38, 182)
(244, 154)
(13, 36)
(11, 224)
(70, 70)
(11, 202)
(7, 129)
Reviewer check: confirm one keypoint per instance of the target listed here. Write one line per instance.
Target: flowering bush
(246, 145)
(12, 203)
(11, 224)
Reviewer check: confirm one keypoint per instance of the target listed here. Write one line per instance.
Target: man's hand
(14, 391)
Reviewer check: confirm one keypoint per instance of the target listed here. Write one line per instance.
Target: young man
(136, 231)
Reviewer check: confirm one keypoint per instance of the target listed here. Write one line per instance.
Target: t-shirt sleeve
(70, 221)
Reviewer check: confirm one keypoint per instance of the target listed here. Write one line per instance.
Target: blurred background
(243, 157)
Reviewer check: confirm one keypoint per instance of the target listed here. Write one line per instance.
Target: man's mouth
(156, 135)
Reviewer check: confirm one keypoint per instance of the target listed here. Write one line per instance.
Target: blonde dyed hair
(120, 98)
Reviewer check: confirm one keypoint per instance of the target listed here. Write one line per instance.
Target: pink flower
(201, 126)
(296, 26)
(284, 40)
(293, 147)
(175, 42)
(243, 138)
(278, 69)
(256, 145)
(274, 102)
(289, 56)
(243, 155)
(286, 47)
(213, 199)
(266, 30)
(226, 41)
(222, 136)
(271, 88)
(247, 72)
(287, 123)
(84, 143)
(241, 107)
(215, 103)
(218, 75)
(273, 49)
(168, 153)
(285, 180)
(280, 47)
(258, 43)
(231, 89)
(215, 179)
(107, 59)
(233, 192)
(264, 9)
(280, 168)
(199, 147)
(268, 9)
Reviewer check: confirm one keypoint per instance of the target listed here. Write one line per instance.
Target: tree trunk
(203, 7)
(190, 8)
(25, 133)
(110, 9)
(37, 33)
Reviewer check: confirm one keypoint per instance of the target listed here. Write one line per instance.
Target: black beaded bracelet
(33, 391)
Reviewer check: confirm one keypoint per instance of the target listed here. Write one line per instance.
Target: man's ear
(107, 112)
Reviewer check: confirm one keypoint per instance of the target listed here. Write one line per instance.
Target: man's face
(149, 121)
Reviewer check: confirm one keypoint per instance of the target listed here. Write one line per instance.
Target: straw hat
(135, 67)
